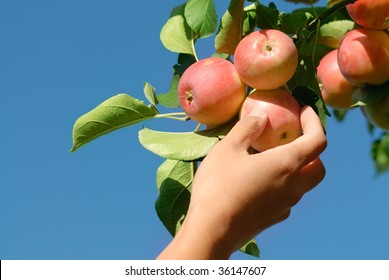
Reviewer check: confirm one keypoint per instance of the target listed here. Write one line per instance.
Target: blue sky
(59, 59)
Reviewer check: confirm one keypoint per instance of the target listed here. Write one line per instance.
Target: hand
(237, 195)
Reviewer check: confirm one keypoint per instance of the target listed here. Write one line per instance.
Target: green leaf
(231, 28)
(307, 96)
(149, 92)
(340, 114)
(308, 2)
(186, 146)
(251, 248)
(249, 19)
(170, 99)
(174, 182)
(176, 35)
(116, 112)
(380, 153)
(201, 17)
(333, 32)
(267, 17)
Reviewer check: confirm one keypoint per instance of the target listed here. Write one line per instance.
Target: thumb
(246, 130)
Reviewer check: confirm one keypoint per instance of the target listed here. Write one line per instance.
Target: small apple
(337, 92)
(266, 59)
(211, 92)
(363, 56)
(371, 14)
(283, 117)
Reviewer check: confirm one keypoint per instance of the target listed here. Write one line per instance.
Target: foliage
(315, 30)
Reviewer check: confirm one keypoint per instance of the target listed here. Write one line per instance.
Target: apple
(363, 56)
(211, 92)
(266, 59)
(371, 14)
(376, 100)
(337, 92)
(283, 117)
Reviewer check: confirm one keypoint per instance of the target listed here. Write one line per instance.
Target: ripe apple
(266, 59)
(337, 92)
(363, 56)
(211, 92)
(371, 14)
(283, 117)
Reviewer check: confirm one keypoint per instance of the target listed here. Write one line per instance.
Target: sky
(60, 59)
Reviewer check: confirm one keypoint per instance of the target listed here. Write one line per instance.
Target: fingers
(246, 131)
(311, 144)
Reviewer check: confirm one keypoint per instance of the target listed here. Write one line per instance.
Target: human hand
(237, 195)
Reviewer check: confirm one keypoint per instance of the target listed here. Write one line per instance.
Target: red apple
(283, 117)
(371, 14)
(266, 59)
(363, 56)
(336, 90)
(211, 92)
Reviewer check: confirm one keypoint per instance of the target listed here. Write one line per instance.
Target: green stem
(180, 116)
(313, 25)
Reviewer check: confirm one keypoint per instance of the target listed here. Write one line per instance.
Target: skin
(237, 195)
(363, 56)
(336, 90)
(263, 54)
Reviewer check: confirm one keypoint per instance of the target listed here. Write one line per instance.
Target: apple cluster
(213, 91)
(360, 63)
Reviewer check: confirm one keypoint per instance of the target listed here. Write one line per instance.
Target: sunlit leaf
(201, 17)
(231, 28)
(174, 181)
(187, 146)
(251, 248)
(149, 92)
(116, 112)
(170, 98)
(176, 35)
(333, 32)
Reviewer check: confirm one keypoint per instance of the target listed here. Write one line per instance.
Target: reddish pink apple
(266, 59)
(211, 92)
(371, 14)
(283, 117)
(363, 56)
(336, 90)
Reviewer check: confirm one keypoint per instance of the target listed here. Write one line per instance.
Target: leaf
(231, 28)
(149, 92)
(201, 17)
(307, 96)
(170, 99)
(333, 32)
(308, 2)
(267, 17)
(186, 146)
(249, 19)
(340, 114)
(116, 112)
(174, 181)
(380, 153)
(251, 248)
(176, 35)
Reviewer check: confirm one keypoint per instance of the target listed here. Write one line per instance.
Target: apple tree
(315, 32)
